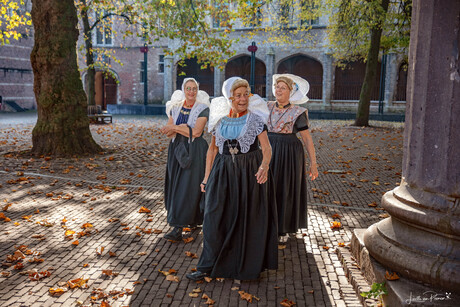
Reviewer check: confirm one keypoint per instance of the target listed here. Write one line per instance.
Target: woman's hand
(169, 129)
(203, 185)
(313, 172)
(262, 175)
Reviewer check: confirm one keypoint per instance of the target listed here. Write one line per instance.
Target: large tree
(360, 30)
(62, 127)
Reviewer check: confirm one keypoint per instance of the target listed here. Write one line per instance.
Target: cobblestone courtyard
(120, 251)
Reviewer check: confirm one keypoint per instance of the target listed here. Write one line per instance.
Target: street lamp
(252, 49)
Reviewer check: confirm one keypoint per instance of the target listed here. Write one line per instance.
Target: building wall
(18, 86)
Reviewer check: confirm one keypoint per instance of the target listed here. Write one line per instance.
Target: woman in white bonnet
(188, 107)
(286, 119)
(239, 227)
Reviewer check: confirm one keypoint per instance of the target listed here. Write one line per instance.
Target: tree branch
(108, 15)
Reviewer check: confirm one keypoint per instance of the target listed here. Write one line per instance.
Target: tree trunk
(362, 115)
(63, 126)
(91, 72)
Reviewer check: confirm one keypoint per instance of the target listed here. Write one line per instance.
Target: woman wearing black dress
(239, 227)
(286, 119)
(188, 107)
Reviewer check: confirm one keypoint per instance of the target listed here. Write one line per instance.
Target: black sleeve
(301, 122)
(204, 113)
(265, 128)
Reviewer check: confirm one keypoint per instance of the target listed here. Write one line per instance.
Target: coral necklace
(235, 114)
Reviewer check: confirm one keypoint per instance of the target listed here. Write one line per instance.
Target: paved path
(356, 166)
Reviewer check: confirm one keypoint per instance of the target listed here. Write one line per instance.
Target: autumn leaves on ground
(88, 231)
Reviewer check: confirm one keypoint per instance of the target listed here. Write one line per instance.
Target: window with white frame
(308, 6)
(161, 63)
(104, 29)
(142, 71)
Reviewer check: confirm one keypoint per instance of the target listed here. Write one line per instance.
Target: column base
(401, 292)
(417, 241)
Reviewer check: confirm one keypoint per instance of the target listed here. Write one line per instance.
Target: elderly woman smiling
(188, 112)
(239, 227)
(286, 119)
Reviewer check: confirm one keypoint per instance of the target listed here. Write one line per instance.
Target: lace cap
(300, 88)
(178, 97)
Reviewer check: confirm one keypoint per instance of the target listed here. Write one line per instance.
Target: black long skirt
(182, 186)
(288, 167)
(239, 229)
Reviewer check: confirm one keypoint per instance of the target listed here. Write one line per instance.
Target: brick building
(331, 87)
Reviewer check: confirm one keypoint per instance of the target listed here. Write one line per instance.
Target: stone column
(270, 60)
(328, 80)
(218, 81)
(421, 239)
(168, 77)
(391, 79)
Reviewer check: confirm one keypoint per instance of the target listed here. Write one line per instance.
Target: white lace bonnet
(178, 97)
(220, 106)
(300, 88)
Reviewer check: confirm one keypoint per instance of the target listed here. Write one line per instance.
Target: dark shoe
(174, 235)
(196, 276)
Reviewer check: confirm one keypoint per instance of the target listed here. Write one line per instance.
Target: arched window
(241, 67)
(307, 68)
(192, 69)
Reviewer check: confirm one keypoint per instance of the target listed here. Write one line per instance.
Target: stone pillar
(328, 80)
(168, 77)
(270, 60)
(391, 79)
(421, 238)
(218, 81)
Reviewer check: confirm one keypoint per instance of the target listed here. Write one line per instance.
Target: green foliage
(351, 21)
(377, 291)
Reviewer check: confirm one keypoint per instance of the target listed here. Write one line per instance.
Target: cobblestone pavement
(120, 257)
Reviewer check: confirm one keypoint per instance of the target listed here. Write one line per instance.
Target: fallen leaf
(191, 294)
(392, 276)
(112, 254)
(373, 204)
(247, 296)
(77, 283)
(190, 254)
(75, 243)
(341, 244)
(144, 210)
(207, 279)
(187, 240)
(172, 278)
(326, 247)
(86, 225)
(287, 303)
(57, 291)
(336, 225)
(280, 246)
(336, 216)
(69, 233)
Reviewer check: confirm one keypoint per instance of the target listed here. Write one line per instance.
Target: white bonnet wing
(300, 88)
(177, 98)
